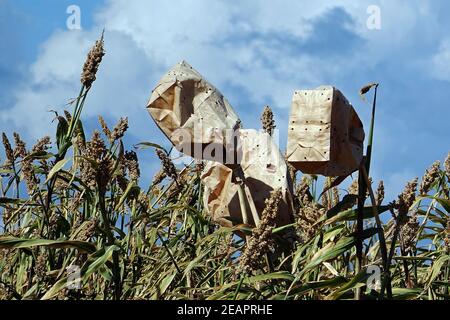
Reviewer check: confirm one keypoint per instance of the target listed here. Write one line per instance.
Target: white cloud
(441, 61)
(144, 38)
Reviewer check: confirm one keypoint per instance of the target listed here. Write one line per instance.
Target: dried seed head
(302, 192)
(88, 230)
(8, 151)
(336, 195)
(105, 128)
(40, 268)
(167, 164)
(104, 172)
(406, 199)
(367, 88)
(120, 129)
(325, 201)
(447, 235)
(380, 193)
(261, 241)
(143, 201)
(94, 151)
(132, 165)
(159, 177)
(447, 166)
(27, 164)
(19, 150)
(93, 60)
(429, 177)
(354, 187)
(225, 247)
(53, 222)
(409, 233)
(42, 145)
(268, 123)
(7, 214)
(307, 218)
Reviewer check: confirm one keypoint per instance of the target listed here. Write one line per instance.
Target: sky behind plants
(256, 52)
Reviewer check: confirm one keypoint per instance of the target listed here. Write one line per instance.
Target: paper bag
(192, 113)
(264, 169)
(325, 134)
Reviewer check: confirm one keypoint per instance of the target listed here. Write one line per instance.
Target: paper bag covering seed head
(191, 112)
(265, 170)
(325, 134)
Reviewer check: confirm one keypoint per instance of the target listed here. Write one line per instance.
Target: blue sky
(255, 52)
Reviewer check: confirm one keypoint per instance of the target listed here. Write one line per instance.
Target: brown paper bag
(192, 113)
(264, 169)
(325, 134)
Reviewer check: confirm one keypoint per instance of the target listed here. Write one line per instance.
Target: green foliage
(85, 207)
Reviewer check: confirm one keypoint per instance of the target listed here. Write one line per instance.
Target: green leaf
(436, 268)
(99, 259)
(330, 251)
(315, 285)
(61, 131)
(357, 281)
(349, 200)
(145, 145)
(351, 215)
(18, 243)
(405, 294)
(164, 285)
(333, 250)
(56, 168)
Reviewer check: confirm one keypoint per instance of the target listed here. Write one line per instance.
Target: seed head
(429, 177)
(42, 145)
(354, 187)
(409, 232)
(159, 177)
(105, 128)
(325, 201)
(447, 166)
(88, 230)
(167, 164)
(447, 235)
(19, 150)
(380, 193)
(405, 200)
(93, 60)
(308, 215)
(120, 129)
(336, 195)
(132, 165)
(261, 241)
(94, 151)
(303, 192)
(8, 151)
(40, 267)
(268, 123)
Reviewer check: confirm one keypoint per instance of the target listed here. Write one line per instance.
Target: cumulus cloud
(255, 52)
(441, 61)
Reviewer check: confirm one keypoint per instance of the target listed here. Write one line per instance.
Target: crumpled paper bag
(325, 134)
(192, 113)
(264, 169)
